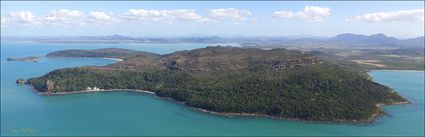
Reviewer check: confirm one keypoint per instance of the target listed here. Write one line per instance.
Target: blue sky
(191, 18)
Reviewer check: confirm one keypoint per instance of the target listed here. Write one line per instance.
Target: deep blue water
(23, 112)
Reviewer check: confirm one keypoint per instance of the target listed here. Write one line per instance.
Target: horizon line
(220, 36)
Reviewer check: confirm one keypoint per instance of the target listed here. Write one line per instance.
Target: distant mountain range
(346, 39)
(376, 39)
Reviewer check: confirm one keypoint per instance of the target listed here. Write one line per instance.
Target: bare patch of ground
(370, 62)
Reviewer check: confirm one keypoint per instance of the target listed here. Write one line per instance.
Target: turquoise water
(23, 112)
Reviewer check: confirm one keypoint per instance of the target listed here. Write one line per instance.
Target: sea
(26, 113)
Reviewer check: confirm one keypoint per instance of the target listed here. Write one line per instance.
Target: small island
(276, 83)
(25, 59)
(20, 81)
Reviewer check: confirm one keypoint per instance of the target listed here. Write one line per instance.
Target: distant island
(278, 83)
(26, 59)
(345, 40)
(116, 53)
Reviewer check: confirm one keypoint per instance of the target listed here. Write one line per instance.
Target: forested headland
(278, 82)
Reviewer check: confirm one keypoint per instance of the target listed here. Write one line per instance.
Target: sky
(209, 18)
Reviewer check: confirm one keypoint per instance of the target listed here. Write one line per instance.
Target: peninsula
(278, 83)
(116, 53)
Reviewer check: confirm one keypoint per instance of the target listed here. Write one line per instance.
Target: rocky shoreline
(370, 120)
(90, 91)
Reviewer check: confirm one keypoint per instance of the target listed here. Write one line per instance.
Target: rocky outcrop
(291, 63)
(172, 65)
(20, 81)
(49, 85)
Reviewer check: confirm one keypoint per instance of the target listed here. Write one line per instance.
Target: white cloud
(413, 15)
(24, 17)
(75, 17)
(229, 13)
(64, 16)
(161, 15)
(310, 13)
(101, 15)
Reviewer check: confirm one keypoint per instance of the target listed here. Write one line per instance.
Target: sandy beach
(116, 59)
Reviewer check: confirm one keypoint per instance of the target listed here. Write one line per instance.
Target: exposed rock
(93, 89)
(291, 63)
(20, 81)
(49, 85)
(172, 65)
(96, 89)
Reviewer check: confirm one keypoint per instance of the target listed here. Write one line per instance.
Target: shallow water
(23, 112)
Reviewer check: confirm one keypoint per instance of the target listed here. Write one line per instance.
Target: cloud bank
(413, 15)
(310, 13)
(161, 15)
(79, 18)
(25, 17)
(75, 17)
(229, 13)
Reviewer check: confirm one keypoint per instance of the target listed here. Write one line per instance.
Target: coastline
(397, 70)
(115, 59)
(370, 120)
(389, 70)
(90, 91)
(400, 70)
